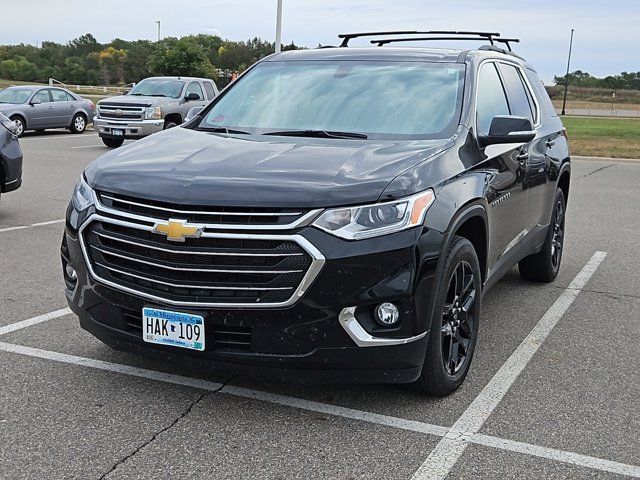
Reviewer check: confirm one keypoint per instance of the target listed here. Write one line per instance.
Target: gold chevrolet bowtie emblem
(178, 230)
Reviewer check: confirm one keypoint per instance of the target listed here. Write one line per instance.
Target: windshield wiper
(318, 134)
(222, 130)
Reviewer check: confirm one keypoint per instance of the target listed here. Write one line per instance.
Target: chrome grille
(218, 269)
(220, 217)
(121, 112)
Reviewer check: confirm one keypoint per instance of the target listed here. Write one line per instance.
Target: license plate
(117, 132)
(173, 328)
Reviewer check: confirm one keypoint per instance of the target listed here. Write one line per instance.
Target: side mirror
(191, 114)
(192, 96)
(508, 129)
(35, 101)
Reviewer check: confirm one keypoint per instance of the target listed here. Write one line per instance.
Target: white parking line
(88, 146)
(22, 227)
(462, 431)
(558, 455)
(334, 410)
(34, 321)
(111, 367)
(67, 136)
(452, 446)
(337, 411)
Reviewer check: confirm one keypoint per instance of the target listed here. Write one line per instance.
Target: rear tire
(544, 266)
(78, 123)
(454, 322)
(112, 142)
(20, 125)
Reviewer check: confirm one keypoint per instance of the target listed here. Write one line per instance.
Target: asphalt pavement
(553, 392)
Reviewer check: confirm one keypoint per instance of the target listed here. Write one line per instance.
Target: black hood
(189, 167)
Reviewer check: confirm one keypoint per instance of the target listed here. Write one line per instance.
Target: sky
(606, 39)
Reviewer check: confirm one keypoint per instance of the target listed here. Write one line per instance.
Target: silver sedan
(33, 107)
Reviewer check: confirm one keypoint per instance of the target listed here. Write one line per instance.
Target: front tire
(112, 142)
(454, 322)
(169, 124)
(544, 266)
(20, 125)
(78, 123)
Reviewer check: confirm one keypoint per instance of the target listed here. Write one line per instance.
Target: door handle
(550, 143)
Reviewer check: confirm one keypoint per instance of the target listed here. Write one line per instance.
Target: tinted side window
(194, 87)
(518, 98)
(43, 96)
(547, 108)
(210, 92)
(491, 98)
(70, 97)
(59, 95)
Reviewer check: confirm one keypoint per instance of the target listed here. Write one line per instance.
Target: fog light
(387, 314)
(71, 273)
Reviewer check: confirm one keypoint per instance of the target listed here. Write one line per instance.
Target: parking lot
(553, 392)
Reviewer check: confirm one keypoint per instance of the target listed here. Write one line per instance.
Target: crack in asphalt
(597, 170)
(182, 415)
(615, 296)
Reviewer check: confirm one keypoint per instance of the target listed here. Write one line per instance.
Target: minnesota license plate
(173, 328)
(117, 132)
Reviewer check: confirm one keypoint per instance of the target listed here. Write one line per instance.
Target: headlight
(83, 196)
(8, 124)
(153, 113)
(354, 223)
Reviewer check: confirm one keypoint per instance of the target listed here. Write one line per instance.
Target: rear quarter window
(548, 110)
(208, 86)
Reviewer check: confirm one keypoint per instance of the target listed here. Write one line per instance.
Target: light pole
(566, 77)
(158, 22)
(279, 27)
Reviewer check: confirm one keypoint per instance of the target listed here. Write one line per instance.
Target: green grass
(604, 137)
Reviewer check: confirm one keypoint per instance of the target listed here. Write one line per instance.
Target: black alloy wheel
(454, 322)
(545, 265)
(557, 238)
(458, 318)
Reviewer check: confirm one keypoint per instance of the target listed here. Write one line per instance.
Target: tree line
(622, 81)
(86, 61)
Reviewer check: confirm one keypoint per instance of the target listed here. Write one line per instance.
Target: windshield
(15, 95)
(152, 87)
(376, 99)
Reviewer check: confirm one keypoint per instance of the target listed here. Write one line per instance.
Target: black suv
(334, 215)
(10, 156)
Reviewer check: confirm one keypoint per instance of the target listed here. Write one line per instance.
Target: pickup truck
(153, 105)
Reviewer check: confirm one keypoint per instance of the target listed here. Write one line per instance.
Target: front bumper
(315, 340)
(131, 129)
(11, 159)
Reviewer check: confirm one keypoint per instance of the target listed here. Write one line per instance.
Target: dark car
(35, 107)
(335, 215)
(10, 156)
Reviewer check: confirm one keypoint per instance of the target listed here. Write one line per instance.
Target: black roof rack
(492, 39)
(346, 37)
